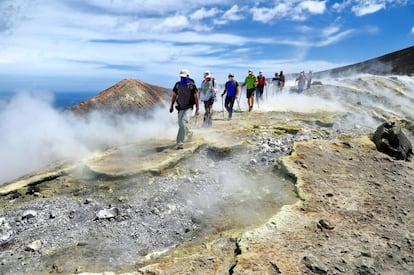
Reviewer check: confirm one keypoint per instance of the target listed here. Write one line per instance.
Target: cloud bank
(153, 40)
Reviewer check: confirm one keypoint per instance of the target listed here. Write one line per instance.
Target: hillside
(127, 96)
(399, 63)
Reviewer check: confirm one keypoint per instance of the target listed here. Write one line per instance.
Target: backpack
(185, 95)
(261, 80)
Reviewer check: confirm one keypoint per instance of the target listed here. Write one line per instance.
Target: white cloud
(175, 23)
(335, 38)
(294, 10)
(203, 13)
(235, 13)
(361, 8)
(367, 7)
(313, 7)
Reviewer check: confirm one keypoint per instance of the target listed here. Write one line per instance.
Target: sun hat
(184, 73)
(231, 75)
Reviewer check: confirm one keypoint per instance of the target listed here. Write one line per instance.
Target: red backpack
(261, 80)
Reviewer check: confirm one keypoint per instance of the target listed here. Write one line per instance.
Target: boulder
(390, 139)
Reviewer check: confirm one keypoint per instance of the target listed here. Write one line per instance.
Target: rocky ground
(269, 192)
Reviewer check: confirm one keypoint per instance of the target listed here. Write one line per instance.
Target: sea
(62, 100)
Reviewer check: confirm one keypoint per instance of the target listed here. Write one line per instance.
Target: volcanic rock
(390, 139)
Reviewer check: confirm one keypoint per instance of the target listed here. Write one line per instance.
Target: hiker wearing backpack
(207, 96)
(281, 81)
(261, 82)
(301, 79)
(185, 95)
(231, 88)
(250, 82)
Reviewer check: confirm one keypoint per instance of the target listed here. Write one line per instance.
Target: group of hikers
(186, 94)
(303, 79)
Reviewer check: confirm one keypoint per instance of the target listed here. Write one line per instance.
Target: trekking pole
(222, 105)
(238, 99)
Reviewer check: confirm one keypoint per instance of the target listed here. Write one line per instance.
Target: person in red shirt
(261, 82)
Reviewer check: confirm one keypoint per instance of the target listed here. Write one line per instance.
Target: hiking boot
(179, 146)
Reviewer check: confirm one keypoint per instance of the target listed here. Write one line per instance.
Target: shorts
(250, 92)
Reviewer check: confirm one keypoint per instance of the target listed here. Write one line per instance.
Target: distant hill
(400, 63)
(127, 96)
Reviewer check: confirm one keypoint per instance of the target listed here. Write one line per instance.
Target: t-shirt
(231, 87)
(250, 81)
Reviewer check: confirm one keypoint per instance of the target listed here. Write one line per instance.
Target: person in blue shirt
(231, 88)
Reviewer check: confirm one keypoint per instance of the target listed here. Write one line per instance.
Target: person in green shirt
(250, 82)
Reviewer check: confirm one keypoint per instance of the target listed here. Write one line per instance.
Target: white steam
(34, 134)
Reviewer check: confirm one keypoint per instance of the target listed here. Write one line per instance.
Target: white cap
(184, 73)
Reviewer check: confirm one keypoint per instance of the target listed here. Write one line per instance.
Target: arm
(197, 102)
(225, 90)
(173, 99)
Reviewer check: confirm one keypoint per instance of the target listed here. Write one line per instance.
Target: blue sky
(76, 45)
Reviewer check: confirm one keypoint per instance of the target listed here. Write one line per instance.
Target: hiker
(281, 81)
(250, 82)
(309, 79)
(261, 82)
(208, 95)
(231, 88)
(275, 83)
(185, 95)
(301, 79)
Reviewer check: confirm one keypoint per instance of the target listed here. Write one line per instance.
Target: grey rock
(315, 265)
(28, 214)
(326, 224)
(390, 139)
(34, 246)
(107, 213)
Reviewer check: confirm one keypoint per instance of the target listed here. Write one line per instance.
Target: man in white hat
(185, 95)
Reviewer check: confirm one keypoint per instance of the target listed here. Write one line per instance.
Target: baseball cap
(184, 73)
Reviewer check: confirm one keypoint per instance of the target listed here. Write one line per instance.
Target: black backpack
(185, 95)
